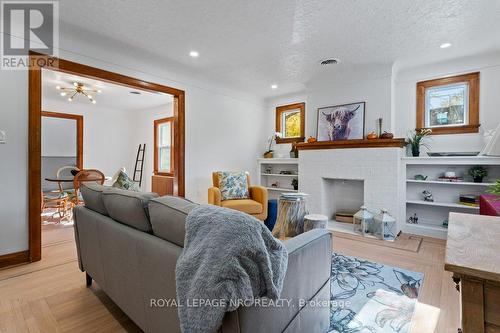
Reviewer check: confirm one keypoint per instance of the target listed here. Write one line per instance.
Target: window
(163, 153)
(449, 105)
(290, 122)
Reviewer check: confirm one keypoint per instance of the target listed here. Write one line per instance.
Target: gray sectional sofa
(129, 242)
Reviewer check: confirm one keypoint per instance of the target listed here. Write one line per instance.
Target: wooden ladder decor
(139, 164)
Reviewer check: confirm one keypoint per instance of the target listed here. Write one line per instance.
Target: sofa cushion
(248, 206)
(124, 182)
(128, 207)
(92, 196)
(168, 217)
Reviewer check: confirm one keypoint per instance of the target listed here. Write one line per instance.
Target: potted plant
(295, 184)
(269, 152)
(477, 172)
(417, 139)
(495, 188)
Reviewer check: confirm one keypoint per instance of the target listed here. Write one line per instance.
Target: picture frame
(341, 122)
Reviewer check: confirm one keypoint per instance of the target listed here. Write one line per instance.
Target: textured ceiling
(249, 45)
(112, 96)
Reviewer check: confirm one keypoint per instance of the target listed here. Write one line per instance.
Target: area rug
(368, 297)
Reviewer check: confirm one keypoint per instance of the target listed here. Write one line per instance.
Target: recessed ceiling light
(274, 86)
(445, 45)
(194, 54)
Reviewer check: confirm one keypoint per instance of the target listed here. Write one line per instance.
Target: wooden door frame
(79, 132)
(39, 61)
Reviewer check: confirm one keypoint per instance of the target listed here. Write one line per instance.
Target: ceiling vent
(329, 61)
(136, 92)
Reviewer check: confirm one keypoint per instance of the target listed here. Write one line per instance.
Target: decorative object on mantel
(420, 177)
(311, 139)
(269, 152)
(416, 139)
(478, 173)
(413, 219)
(372, 135)
(362, 143)
(386, 135)
(363, 221)
(294, 153)
(341, 122)
(295, 184)
(427, 196)
(379, 127)
(384, 226)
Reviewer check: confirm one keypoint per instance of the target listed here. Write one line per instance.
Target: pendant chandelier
(78, 88)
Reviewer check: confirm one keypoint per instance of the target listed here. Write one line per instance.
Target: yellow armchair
(256, 205)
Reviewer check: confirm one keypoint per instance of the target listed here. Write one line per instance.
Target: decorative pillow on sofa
(233, 185)
(124, 182)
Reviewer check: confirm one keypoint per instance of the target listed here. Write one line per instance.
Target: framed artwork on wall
(341, 122)
(290, 122)
(449, 105)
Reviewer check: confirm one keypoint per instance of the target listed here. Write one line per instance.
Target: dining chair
(58, 201)
(85, 176)
(68, 171)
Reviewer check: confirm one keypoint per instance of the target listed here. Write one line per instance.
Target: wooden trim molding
(79, 132)
(279, 112)
(157, 122)
(39, 61)
(473, 80)
(358, 143)
(15, 258)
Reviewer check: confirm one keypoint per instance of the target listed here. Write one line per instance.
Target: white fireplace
(345, 179)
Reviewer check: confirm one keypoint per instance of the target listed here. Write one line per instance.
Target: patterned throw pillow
(124, 182)
(233, 185)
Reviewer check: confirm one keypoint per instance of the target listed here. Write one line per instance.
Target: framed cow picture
(341, 122)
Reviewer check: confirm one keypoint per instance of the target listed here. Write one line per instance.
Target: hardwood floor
(50, 295)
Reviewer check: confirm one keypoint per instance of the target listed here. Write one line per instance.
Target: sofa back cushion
(92, 196)
(128, 207)
(168, 217)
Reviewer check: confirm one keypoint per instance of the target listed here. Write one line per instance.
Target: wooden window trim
(172, 166)
(473, 80)
(284, 108)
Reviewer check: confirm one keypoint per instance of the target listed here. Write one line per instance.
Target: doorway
(34, 140)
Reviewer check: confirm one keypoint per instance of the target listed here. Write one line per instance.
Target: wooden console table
(472, 254)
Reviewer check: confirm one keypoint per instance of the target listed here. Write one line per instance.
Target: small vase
(478, 179)
(268, 154)
(415, 151)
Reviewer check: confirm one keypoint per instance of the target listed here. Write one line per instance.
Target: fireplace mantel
(358, 143)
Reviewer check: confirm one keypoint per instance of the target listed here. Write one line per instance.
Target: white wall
(225, 129)
(58, 137)
(144, 133)
(107, 135)
(392, 96)
(405, 81)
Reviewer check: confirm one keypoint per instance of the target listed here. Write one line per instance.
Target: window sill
(454, 130)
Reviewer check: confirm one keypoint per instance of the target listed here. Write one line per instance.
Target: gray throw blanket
(228, 257)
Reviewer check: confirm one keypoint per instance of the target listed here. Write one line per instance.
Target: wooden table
(473, 255)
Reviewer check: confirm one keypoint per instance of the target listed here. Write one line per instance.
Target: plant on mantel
(417, 139)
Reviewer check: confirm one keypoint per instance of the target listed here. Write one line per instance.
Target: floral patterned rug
(367, 297)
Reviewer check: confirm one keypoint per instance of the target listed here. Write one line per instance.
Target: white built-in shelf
(448, 183)
(279, 175)
(281, 189)
(441, 204)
